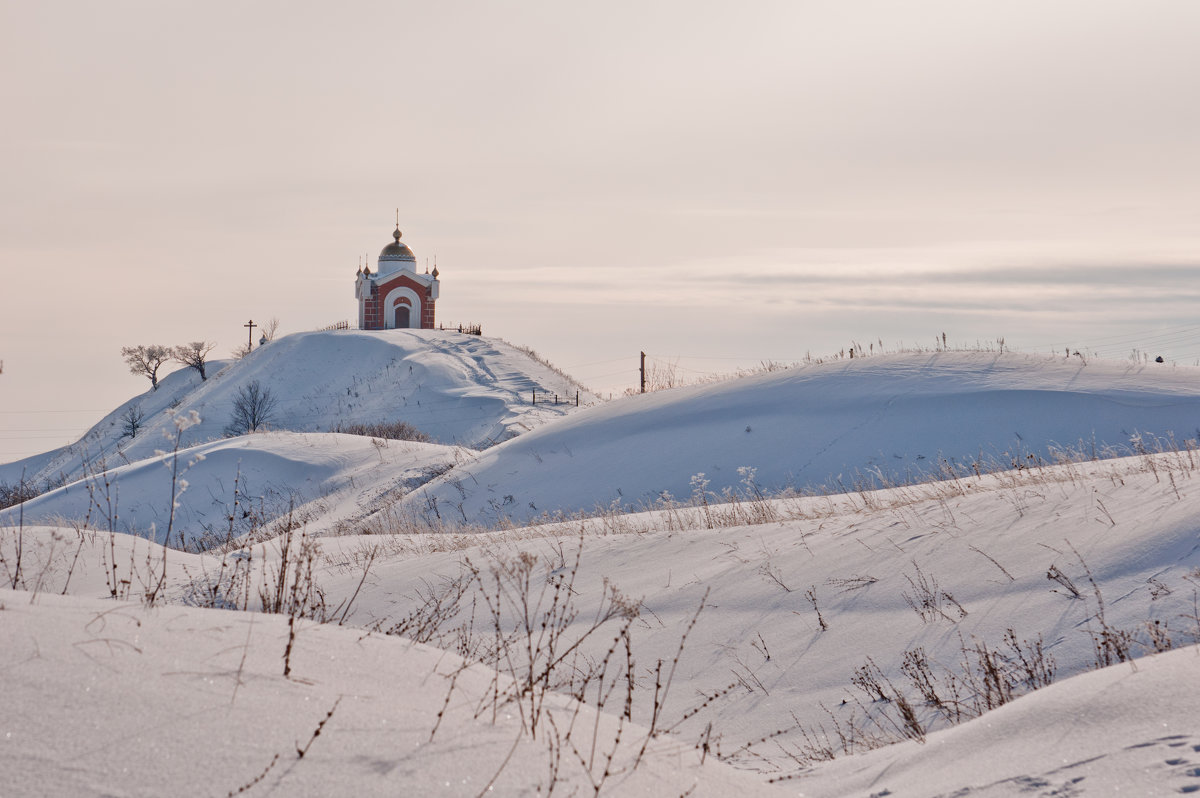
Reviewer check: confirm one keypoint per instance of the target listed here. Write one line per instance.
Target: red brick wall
(373, 310)
(372, 317)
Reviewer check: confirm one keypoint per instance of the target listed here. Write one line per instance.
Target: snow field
(107, 698)
(723, 625)
(758, 644)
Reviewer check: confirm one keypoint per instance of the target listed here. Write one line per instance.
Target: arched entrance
(404, 309)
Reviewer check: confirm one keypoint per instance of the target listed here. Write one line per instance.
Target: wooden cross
(250, 333)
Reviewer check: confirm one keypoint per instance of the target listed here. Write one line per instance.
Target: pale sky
(716, 183)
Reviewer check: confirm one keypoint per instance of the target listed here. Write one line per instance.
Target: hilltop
(457, 389)
(837, 426)
(461, 391)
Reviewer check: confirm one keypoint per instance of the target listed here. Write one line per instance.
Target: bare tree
(194, 355)
(131, 421)
(146, 360)
(270, 328)
(253, 409)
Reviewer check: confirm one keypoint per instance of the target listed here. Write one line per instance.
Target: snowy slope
(1133, 524)
(456, 388)
(822, 594)
(1128, 524)
(234, 486)
(842, 424)
(212, 712)
(1126, 730)
(108, 698)
(837, 425)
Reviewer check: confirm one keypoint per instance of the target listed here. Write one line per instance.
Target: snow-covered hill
(796, 605)
(232, 487)
(835, 426)
(798, 615)
(458, 389)
(770, 634)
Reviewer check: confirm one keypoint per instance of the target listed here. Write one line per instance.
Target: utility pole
(643, 370)
(250, 334)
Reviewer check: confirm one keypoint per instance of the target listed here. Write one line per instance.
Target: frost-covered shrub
(253, 409)
(388, 430)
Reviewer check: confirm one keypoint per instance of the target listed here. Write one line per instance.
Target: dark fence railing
(552, 398)
(469, 329)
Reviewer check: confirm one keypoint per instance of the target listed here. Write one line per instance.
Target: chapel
(395, 296)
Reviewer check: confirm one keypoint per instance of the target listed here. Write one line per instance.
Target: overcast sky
(714, 183)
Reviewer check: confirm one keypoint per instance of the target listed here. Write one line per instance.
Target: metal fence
(553, 398)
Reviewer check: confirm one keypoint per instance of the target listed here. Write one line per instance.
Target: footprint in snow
(1160, 759)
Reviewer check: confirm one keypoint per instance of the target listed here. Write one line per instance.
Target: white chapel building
(395, 295)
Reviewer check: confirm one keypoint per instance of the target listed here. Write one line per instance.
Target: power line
(596, 363)
(727, 357)
(1130, 337)
(32, 412)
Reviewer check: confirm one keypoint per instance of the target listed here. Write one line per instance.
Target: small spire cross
(250, 332)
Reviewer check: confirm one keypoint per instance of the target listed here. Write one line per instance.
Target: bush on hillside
(131, 421)
(25, 489)
(387, 430)
(253, 409)
(16, 493)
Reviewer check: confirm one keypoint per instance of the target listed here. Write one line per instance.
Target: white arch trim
(389, 307)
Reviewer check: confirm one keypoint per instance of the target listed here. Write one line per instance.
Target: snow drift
(1080, 563)
(843, 425)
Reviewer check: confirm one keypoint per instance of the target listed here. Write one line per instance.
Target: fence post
(577, 398)
(534, 392)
